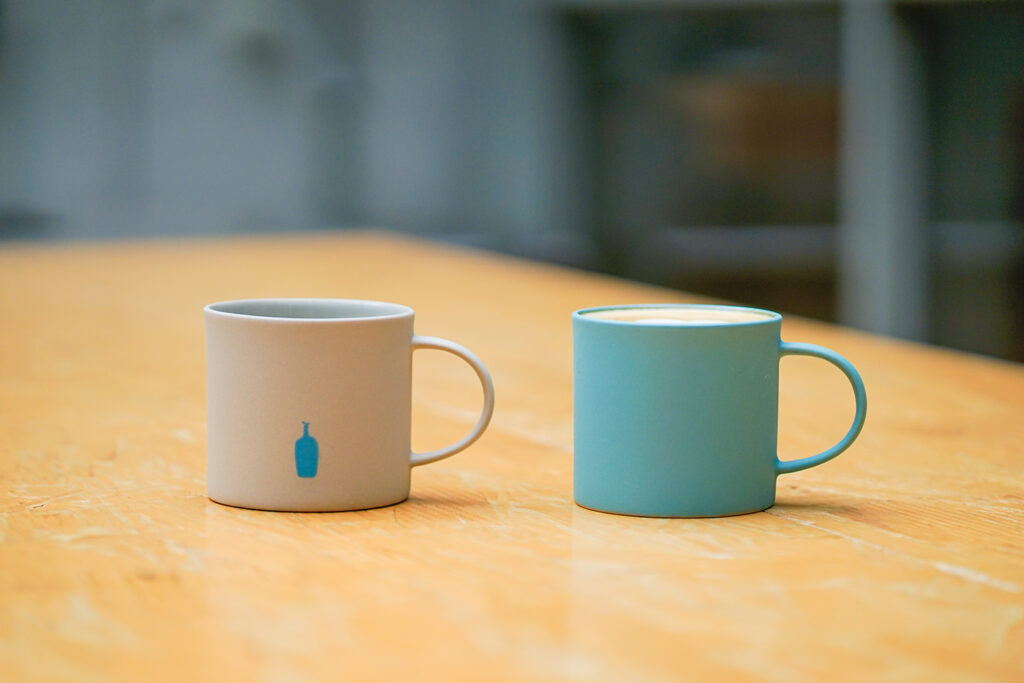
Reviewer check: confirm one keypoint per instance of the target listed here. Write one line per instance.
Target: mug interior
(310, 309)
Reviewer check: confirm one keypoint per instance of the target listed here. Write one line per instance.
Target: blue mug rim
(770, 317)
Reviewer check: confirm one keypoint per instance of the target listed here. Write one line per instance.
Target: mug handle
(796, 349)
(465, 354)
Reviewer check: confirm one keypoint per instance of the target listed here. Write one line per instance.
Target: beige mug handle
(465, 354)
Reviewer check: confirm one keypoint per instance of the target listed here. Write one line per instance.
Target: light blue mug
(676, 409)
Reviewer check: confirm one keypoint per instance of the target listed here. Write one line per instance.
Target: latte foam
(682, 315)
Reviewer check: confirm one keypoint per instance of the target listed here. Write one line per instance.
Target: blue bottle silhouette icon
(307, 453)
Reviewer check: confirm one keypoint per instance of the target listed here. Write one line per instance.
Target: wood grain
(903, 559)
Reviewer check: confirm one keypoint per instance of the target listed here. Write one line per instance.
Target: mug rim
(389, 311)
(583, 314)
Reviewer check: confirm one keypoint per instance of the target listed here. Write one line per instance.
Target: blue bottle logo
(307, 453)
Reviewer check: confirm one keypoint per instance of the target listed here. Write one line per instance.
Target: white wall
(184, 117)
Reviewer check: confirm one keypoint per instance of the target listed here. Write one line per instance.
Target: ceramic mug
(309, 403)
(676, 409)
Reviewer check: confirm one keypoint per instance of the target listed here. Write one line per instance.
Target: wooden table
(903, 559)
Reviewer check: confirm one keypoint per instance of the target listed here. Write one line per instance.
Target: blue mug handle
(796, 349)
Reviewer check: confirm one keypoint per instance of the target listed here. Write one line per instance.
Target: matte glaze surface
(349, 379)
(676, 420)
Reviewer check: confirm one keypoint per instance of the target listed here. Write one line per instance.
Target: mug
(676, 413)
(309, 403)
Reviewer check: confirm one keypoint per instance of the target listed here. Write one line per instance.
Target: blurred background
(857, 160)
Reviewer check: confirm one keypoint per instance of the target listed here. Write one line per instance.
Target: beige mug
(309, 404)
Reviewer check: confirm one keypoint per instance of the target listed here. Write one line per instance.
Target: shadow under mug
(309, 403)
(681, 420)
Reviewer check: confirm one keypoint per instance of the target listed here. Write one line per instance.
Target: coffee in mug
(701, 315)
